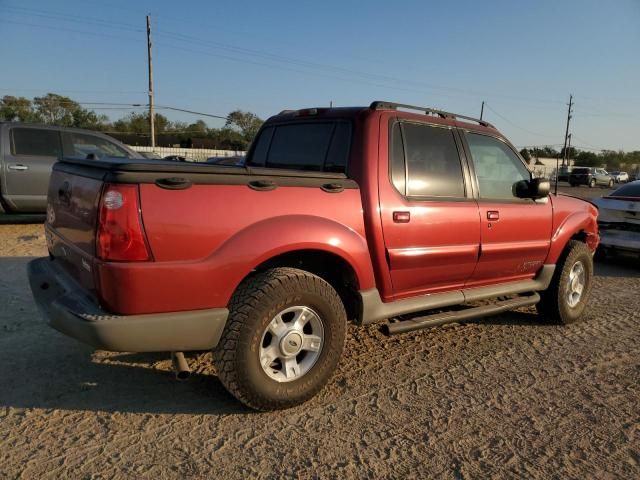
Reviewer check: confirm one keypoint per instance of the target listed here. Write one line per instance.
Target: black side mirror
(535, 188)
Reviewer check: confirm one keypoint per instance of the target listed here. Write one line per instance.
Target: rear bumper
(68, 309)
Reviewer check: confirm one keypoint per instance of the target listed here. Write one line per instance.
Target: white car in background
(620, 177)
(619, 219)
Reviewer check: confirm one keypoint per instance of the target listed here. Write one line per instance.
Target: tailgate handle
(18, 167)
(174, 183)
(333, 187)
(262, 185)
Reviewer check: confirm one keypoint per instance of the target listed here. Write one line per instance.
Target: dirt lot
(505, 397)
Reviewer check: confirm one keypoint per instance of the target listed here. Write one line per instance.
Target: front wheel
(592, 183)
(566, 298)
(610, 183)
(283, 340)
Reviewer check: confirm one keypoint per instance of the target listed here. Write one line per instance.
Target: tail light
(120, 234)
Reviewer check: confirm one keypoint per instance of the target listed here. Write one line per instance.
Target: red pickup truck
(364, 214)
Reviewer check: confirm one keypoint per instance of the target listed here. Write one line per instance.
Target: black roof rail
(382, 105)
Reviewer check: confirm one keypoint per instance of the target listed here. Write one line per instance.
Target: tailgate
(72, 215)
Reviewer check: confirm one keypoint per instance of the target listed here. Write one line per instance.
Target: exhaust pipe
(180, 366)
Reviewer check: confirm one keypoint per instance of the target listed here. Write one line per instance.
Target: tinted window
(628, 190)
(432, 161)
(34, 141)
(580, 171)
(497, 167)
(396, 152)
(304, 146)
(80, 145)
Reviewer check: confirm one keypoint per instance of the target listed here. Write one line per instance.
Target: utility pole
(568, 149)
(566, 133)
(151, 114)
(481, 109)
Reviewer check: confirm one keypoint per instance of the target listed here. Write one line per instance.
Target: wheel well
(581, 236)
(332, 268)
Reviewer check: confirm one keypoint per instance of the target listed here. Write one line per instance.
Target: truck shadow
(41, 368)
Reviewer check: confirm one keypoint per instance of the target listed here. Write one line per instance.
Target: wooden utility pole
(482, 110)
(151, 114)
(566, 133)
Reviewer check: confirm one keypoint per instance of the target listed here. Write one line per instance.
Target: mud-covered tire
(254, 305)
(555, 304)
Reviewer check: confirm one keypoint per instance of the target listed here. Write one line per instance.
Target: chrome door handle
(18, 167)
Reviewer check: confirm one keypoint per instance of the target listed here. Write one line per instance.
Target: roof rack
(382, 105)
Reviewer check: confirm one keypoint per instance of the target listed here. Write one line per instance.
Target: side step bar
(460, 315)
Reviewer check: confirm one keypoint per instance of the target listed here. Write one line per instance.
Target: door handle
(401, 217)
(493, 215)
(18, 167)
(262, 185)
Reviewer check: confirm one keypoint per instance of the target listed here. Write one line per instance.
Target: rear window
(35, 141)
(580, 170)
(628, 190)
(81, 145)
(313, 146)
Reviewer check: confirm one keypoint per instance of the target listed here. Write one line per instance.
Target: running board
(460, 315)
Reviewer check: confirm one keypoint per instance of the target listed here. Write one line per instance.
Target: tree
(525, 154)
(17, 109)
(54, 109)
(246, 122)
(139, 123)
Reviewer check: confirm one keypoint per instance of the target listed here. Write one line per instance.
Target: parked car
(590, 176)
(28, 152)
(359, 214)
(619, 219)
(620, 177)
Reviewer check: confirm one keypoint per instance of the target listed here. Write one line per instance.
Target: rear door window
(35, 142)
(425, 161)
(82, 145)
(313, 146)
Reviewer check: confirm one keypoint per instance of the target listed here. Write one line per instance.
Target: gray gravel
(505, 397)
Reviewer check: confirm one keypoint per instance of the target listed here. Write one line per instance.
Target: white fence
(195, 154)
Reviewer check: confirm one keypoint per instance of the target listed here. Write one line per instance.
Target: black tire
(554, 303)
(592, 183)
(254, 305)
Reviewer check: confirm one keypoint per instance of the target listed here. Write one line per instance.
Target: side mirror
(535, 188)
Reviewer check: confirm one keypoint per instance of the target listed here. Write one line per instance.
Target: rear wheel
(283, 340)
(565, 299)
(592, 183)
(610, 183)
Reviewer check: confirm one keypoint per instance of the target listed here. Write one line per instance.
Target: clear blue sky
(522, 58)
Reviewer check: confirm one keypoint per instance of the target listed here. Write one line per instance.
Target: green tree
(139, 123)
(54, 109)
(246, 122)
(525, 154)
(17, 109)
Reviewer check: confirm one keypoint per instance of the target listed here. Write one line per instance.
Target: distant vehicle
(591, 177)
(620, 177)
(177, 158)
(619, 219)
(345, 214)
(563, 175)
(235, 160)
(28, 152)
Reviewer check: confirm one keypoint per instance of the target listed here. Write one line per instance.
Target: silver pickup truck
(28, 152)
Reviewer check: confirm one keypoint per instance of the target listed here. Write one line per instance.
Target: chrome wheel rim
(576, 284)
(291, 344)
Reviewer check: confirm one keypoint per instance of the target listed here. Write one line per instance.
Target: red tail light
(120, 235)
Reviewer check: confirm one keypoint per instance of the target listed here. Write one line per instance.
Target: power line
(516, 125)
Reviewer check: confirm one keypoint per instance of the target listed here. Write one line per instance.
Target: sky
(523, 58)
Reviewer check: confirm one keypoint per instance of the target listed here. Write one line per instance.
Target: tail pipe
(180, 365)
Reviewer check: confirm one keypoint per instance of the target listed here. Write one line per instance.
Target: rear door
(515, 232)
(430, 220)
(27, 167)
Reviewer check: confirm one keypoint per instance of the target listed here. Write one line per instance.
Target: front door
(515, 232)
(430, 220)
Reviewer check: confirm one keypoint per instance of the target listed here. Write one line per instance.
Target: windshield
(628, 190)
(314, 146)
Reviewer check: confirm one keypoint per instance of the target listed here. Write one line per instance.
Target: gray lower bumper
(68, 309)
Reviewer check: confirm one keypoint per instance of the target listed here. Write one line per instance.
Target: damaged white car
(619, 219)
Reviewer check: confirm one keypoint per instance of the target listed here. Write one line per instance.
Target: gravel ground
(504, 397)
